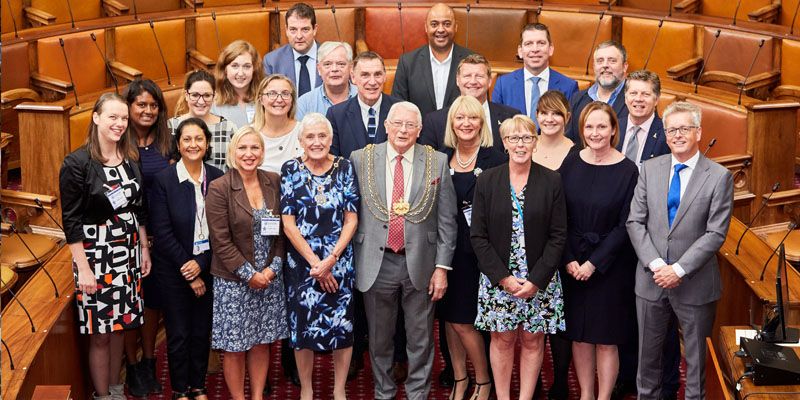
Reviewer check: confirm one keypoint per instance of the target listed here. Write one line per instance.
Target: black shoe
(148, 372)
(356, 365)
(622, 389)
(294, 377)
(671, 396)
(267, 389)
(446, 378)
(133, 378)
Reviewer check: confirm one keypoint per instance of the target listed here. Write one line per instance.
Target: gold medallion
(401, 207)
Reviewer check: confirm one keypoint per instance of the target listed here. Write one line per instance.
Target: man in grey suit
(404, 244)
(298, 58)
(679, 218)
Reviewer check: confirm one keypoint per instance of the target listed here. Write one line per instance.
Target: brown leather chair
(756, 10)
(253, 26)
(572, 35)
(382, 30)
(15, 82)
(137, 54)
(48, 12)
(788, 8)
(727, 66)
(727, 123)
(789, 88)
(345, 18)
(481, 33)
(86, 63)
(16, 69)
(9, 15)
(674, 44)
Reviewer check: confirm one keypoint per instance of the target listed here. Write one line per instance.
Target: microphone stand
(400, 13)
(653, 46)
(116, 89)
(792, 226)
(14, 297)
(466, 44)
(794, 17)
(336, 22)
(775, 187)
(705, 60)
(14, 20)
(10, 360)
(596, 32)
(736, 11)
(216, 30)
(161, 52)
(71, 18)
(711, 144)
(749, 71)
(38, 261)
(69, 72)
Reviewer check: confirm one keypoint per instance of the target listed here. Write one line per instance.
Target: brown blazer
(230, 222)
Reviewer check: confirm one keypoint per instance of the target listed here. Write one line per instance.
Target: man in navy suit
(359, 121)
(473, 77)
(610, 61)
(298, 58)
(426, 76)
(521, 88)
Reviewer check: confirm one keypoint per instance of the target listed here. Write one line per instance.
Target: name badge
(270, 226)
(116, 197)
(201, 246)
(467, 214)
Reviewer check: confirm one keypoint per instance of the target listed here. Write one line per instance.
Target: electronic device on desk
(775, 329)
(772, 364)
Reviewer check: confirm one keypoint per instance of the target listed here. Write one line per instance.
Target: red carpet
(357, 389)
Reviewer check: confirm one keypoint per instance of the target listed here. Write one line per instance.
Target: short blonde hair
(516, 123)
(470, 106)
(230, 155)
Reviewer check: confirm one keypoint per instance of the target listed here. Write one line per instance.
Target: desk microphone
(792, 226)
(749, 71)
(25, 309)
(736, 11)
(41, 207)
(653, 46)
(71, 18)
(336, 22)
(594, 39)
(263, 3)
(161, 52)
(467, 40)
(711, 144)
(194, 6)
(14, 229)
(705, 60)
(10, 360)
(116, 89)
(14, 20)
(69, 72)
(764, 202)
(216, 30)
(135, 12)
(791, 27)
(669, 10)
(400, 14)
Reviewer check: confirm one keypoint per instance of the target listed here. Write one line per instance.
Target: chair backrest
(345, 18)
(382, 30)
(86, 63)
(735, 50)
(653, 5)
(785, 16)
(16, 68)
(728, 125)
(726, 8)
(148, 6)
(253, 26)
(790, 62)
(81, 10)
(572, 35)
(135, 46)
(485, 37)
(675, 43)
(9, 15)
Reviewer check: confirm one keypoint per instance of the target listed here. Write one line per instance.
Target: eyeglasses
(194, 96)
(525, 139)
(329, 64)
(408, 125)
(274, 95)
(684, 130)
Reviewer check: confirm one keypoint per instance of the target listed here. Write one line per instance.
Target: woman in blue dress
(319, 206)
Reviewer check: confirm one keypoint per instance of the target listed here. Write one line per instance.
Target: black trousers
(187, 320)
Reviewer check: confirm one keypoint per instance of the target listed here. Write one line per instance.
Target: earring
(505, 150)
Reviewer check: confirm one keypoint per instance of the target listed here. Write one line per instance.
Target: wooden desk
(733, 367)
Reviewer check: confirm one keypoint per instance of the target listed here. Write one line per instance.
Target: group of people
(291, 199)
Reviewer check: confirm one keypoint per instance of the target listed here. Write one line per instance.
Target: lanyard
(200, 211)
(516, 202)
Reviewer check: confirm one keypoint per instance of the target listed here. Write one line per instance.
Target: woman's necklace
(462, 164)
(321, 198)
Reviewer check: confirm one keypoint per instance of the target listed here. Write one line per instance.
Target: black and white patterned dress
(112, 249)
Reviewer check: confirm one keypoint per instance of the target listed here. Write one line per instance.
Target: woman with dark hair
(599, 258)
(148, 123)
(552, 114)
(198, 97)
(103, 215)
(178, 220)
(238, 73)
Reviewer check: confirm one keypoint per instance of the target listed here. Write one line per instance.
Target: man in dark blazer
(352, 129)
(473, 77)
(298, 58)
(426, 76)
(610, 66)
(679, 218)
(517, 89)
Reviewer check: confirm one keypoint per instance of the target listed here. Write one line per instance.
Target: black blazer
(579, 101)
(172, 219)
(349, 132)
(656, 143)
(545, 222)
(413, 80)
(434, 124)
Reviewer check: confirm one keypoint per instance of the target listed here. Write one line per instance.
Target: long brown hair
(125, 146)
(227, 95)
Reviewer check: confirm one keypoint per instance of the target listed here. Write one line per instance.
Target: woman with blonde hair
(237, 73)
(277, 103)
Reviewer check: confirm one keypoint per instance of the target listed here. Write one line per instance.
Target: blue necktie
(304, 84)
(372, 125)
(674, 194)
(534, 97)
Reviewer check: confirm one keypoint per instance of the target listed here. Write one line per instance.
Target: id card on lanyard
(116, 196)
(521, 215)
(270, 225)
(201, 243)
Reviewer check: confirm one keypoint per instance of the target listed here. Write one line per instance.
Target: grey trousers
(393, 287)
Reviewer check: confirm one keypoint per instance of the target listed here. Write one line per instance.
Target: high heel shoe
(455, 387)
(478, 386)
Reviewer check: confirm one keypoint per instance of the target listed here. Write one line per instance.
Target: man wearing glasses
(404, 245)
(679, 218)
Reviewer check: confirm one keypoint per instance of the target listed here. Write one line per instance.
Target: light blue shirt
(317, 101)
(592, 92)
(311, 64)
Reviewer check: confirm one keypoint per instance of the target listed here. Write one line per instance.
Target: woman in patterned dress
(249, 311)
(319, 206)
(198, 96)
(518, 231)
(101, 197)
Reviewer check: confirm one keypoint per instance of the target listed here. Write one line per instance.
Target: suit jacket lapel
(427, 73)
(357, 130)
(623, 130)
(661, 176)
(698, 179)
(379, 163)
(418, 178)
(519, 95)
(656, 128)
(380, 134)
(240, 197)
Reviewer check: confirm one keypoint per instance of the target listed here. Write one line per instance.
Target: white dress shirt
(641, 136)
(441, 72)
(311, 64)
(200, 223)
(408, 169)
(544, 79)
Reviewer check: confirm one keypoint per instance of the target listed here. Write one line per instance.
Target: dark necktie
(372, 125)
(674, 194)
(304, 83)
(396, 239)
